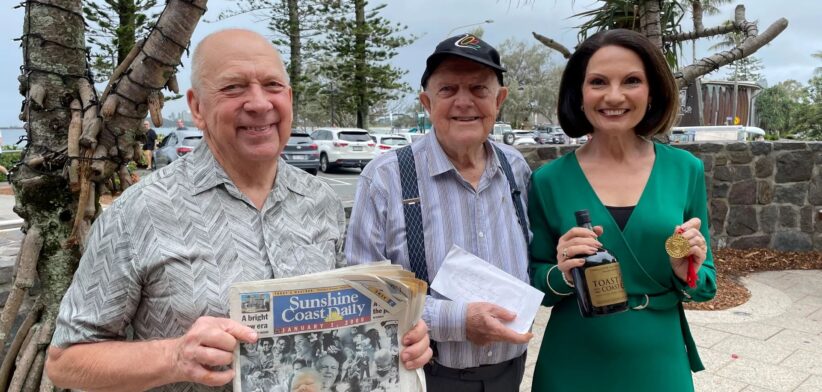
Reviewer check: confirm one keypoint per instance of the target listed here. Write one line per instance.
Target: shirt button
(481, 235)
(490, 353)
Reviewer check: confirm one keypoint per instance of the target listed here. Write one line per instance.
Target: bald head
(241, 99)
(220, 45)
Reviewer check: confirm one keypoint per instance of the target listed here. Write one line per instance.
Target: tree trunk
(696, 8)
(53, 62)
(359, 64)
(295, 64)
(650, 23)
(56, 183)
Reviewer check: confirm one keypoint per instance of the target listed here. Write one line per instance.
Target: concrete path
(771, 343)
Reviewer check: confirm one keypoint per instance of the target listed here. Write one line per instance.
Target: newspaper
(335, 331)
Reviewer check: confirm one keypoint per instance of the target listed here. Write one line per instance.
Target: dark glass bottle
(598, 283)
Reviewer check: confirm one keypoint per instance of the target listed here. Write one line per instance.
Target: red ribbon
(691, 280)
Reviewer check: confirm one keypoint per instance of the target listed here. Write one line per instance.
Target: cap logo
(469, 41)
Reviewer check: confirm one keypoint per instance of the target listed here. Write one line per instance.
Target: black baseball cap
(466, 46)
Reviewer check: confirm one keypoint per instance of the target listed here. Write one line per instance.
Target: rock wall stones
(761, 194)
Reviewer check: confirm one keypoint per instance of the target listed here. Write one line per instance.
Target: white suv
(343, 147)
(388, 142)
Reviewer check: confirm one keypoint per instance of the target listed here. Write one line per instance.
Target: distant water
(11, 137)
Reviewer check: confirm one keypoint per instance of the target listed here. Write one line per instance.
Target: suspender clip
(411, 201)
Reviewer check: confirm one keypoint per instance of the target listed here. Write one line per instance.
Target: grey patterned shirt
(166, 251)
(482, 221)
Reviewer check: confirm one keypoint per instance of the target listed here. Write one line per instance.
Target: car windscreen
(394, 141)
(354, 136)
(192, 141)
(299, 139)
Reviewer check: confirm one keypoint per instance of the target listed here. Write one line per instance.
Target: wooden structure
(715, 104)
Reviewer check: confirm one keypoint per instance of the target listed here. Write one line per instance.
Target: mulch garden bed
(731, 264)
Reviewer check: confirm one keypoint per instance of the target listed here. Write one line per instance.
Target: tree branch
(17, 343)
(748, 47)
(552, 44)
(26, 272)
(694, 35)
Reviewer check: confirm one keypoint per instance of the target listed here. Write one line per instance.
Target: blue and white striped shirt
(482, 221)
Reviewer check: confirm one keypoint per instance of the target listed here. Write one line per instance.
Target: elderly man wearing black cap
(453, 187)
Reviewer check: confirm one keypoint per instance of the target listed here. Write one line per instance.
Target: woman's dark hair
(663, 93)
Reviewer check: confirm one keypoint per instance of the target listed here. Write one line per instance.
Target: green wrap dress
(650, 349)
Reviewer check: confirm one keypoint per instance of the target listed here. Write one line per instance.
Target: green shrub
(8, 159)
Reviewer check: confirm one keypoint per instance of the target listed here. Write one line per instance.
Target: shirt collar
(438, 162)
(206, 173)
(204, 170)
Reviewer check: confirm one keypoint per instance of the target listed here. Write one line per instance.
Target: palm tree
(699, 8)
(659, 20)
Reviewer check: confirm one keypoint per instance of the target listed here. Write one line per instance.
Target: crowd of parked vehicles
(325, 149)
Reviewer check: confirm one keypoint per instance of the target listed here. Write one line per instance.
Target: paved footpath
(771, 343)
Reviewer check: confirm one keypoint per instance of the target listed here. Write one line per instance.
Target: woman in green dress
(618, 89)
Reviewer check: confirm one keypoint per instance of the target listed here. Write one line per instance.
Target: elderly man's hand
(417, 351)
(483, 325)
(209, 344)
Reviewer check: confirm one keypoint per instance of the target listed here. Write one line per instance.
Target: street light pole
(468, 25)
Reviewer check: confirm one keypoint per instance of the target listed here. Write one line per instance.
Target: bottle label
(605, 285)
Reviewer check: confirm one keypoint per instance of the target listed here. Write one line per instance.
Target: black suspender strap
(515, 192)
(414, 236)
(415, 239)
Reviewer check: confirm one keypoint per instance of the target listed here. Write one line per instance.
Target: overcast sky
(787, 57)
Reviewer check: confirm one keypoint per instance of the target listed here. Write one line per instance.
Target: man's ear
(194, 107)
(501, 95)
(425, 100)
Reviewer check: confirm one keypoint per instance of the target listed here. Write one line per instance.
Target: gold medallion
(677, 246)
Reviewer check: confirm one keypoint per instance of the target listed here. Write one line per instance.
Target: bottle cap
(582, 217)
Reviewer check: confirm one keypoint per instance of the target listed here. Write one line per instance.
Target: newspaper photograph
(337, 331)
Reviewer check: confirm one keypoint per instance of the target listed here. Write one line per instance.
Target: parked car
(411, 136)
(558, 137)
(502, 132)
(177, 143)
(551, 134)
(523, 137)
(388, 142)
(302, 152)
(343, 147)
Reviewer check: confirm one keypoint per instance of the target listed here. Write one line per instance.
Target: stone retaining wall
(762, 194)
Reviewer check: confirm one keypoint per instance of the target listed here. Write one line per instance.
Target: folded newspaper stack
(336, 331)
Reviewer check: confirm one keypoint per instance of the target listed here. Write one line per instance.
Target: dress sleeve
(542, 250)
(105, 292)
(698, 208)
